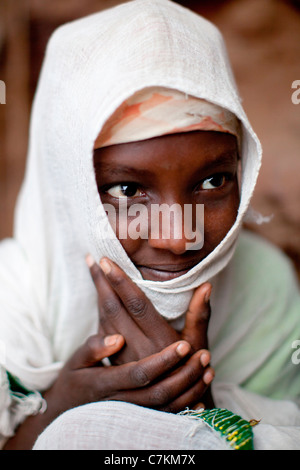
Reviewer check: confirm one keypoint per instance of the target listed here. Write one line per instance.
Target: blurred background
(263, 40)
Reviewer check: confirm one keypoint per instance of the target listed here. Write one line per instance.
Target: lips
(164, 272)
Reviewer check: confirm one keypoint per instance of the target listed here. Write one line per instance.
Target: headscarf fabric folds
(154, 112)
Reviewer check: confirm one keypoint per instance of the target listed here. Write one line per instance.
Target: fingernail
(89, 260)
(205, 358)
(200, 406)
(207, 294)
(110, 340)
(105, 266)
(183, 348)
(208, 377)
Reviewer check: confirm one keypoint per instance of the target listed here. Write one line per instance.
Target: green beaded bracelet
(231, 427)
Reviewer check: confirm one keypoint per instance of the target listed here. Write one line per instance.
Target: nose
(171, 228)
(178, 247)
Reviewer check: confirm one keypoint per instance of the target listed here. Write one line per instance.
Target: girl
(137, 108)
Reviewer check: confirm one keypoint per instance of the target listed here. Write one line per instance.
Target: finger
(163, 392)
(190, 398)
(106, 295)
(208, 375)
(187, 400)
(95, 349)
(139, 374)
(205, 357)
(208, 399)
(113, 316)
(199, 406)
(135, 301)
(197, 318)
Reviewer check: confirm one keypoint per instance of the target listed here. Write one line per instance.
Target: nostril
(176, 227)
(176, 246)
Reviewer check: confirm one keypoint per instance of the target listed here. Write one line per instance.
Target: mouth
(164, 272)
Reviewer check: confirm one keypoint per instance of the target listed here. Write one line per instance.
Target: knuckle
(197, 391)
(92, 344)
(167, 359)
(111, 307)
(159, 396)
(137, 306)
(117, 280)
(204, 315)
(192, 374)
(96, 274)
(139, 376)
(203, 322)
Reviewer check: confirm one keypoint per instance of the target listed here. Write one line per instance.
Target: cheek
(131, 247)
(127, 231)
(219, 219)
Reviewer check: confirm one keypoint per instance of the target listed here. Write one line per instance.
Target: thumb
(197, 318)
(95, 349)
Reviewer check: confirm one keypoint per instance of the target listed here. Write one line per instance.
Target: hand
(84, 379)
(147, 382)
(170, 379)
(124, 309)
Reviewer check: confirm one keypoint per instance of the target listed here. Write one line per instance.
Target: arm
(84, 379)
(155, 377)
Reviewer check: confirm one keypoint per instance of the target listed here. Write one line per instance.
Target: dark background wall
(263, 39)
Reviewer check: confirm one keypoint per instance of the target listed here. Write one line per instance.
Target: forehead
(175, 151)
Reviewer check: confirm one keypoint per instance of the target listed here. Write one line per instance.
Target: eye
(213, 182)
(124, 190)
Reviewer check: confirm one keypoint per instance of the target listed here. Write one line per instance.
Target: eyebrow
(224, 159)
(121, 170)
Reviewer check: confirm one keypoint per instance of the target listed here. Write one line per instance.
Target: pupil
(128, 190)
(217, 180)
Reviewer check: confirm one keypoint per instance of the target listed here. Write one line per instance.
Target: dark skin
(173, 169)
(148, 368)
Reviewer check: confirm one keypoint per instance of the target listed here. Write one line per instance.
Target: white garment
(48, 300)
(59, 216)
(123, 426)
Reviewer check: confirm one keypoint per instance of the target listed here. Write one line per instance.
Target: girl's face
(188, 168)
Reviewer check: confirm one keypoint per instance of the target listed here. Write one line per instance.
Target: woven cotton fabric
(157, 111)
(92, 66)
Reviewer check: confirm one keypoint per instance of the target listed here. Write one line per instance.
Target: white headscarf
(92, 65)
